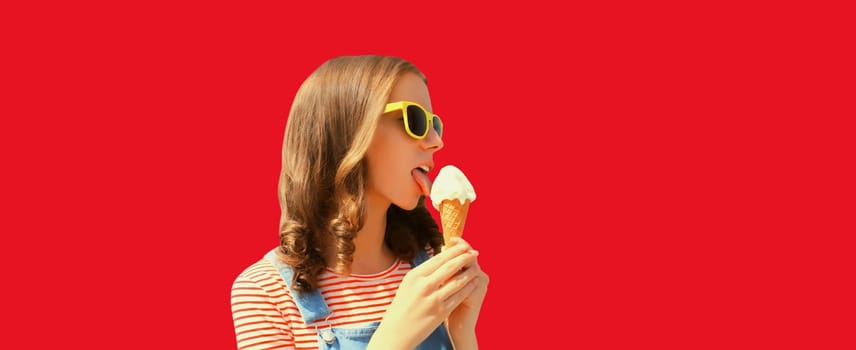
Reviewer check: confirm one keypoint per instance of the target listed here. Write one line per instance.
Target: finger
(443, 257)
(475, 266)
(455, 299)
(453, 267)
(454, 241)
(456, 283)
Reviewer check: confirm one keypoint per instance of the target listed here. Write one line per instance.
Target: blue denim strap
(311, 305)
(421, 257)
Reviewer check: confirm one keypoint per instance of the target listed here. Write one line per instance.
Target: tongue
(422, 180)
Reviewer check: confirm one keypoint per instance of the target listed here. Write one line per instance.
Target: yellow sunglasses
(417, 119)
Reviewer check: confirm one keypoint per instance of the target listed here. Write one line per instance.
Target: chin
(408, 205)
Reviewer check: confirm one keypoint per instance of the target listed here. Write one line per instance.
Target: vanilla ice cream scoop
(451, 195)
(449, 184)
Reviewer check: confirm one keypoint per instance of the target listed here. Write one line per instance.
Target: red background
(648, 176)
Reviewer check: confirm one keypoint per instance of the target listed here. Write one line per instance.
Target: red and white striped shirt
(266, 316)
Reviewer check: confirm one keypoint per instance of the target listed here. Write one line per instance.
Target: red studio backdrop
(657, 175)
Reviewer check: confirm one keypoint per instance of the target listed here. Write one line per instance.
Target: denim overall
(312, 307)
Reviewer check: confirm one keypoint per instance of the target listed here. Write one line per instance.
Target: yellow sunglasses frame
(402, 105)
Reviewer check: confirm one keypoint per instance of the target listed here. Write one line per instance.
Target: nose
(432, 142)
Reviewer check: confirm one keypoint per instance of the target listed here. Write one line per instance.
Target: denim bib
(312, 307)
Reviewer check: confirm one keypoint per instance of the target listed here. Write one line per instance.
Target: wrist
(463, 338)
(457, 326)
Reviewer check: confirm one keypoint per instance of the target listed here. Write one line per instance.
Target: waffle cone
(453, 216)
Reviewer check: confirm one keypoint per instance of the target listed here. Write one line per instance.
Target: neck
(371, 254)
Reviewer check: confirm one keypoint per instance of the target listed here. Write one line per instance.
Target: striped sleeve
(259, 323)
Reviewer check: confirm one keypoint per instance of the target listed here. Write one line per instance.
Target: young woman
(361, 263)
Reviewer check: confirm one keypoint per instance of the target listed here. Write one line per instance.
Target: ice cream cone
(453, 216)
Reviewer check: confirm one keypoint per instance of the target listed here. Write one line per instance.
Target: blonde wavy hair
(323, 179)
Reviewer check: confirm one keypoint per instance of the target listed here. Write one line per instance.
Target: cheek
(387, 150)
(383, 165)
(381, 161)
(391, 156)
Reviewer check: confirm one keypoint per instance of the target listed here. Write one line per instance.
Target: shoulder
(263, 309)
(261, 277)
(260, 288)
